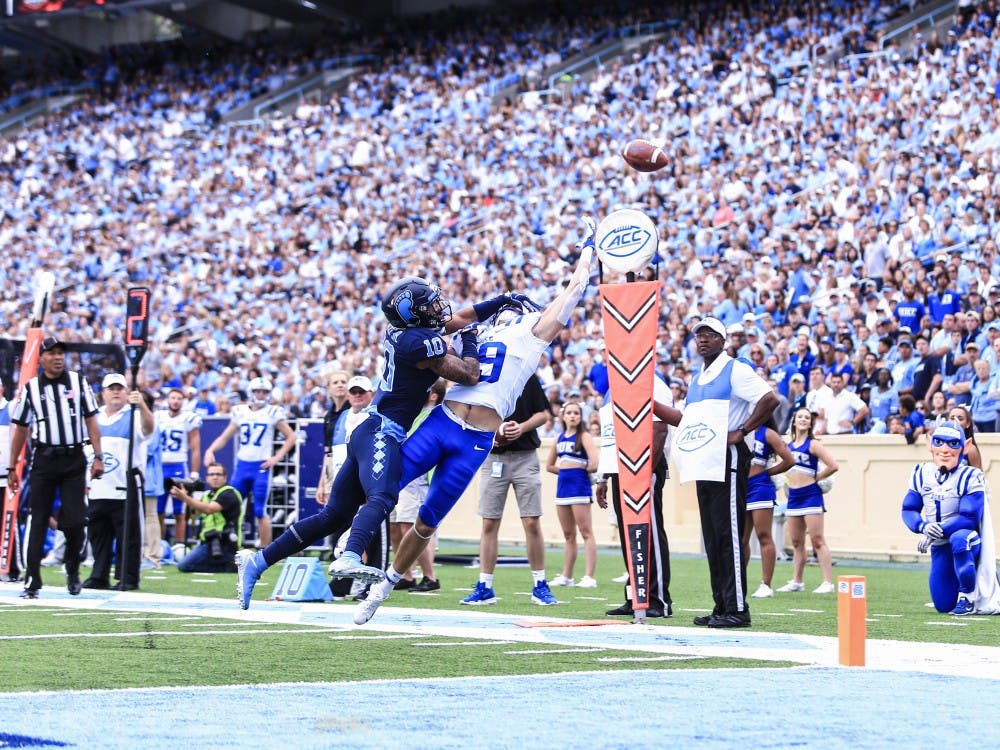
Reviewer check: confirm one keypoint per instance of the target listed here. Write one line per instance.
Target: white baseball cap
(362, 382)
(114, 378)
(713, 324)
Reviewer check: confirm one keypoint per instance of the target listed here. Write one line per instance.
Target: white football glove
(924, 544)
(588, 237)
(933, 530)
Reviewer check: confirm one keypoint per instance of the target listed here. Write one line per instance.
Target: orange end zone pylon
(852, 627)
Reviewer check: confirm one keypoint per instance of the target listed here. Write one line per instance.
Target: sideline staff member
(221, 528)
(726, 402)
(62, 412)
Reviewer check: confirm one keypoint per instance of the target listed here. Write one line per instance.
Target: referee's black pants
(67, 474)
(105, 528)
(659, 549)
(723, 507)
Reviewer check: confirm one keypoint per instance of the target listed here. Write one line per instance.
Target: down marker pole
(852, 628)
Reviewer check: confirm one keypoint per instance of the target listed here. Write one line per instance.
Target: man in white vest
(109, 494)
(726, 402)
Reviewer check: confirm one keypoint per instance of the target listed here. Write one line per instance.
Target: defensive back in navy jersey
(402, 389)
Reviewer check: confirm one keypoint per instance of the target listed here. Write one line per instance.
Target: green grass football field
(52, 647)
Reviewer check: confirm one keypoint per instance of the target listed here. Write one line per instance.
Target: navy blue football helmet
(413, 302)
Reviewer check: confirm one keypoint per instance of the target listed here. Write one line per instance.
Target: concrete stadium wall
(863, 518)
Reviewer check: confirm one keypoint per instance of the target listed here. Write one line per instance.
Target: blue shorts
(456, 449)
(171, 471)
(761, 494)
(250, 479)
(804, 501)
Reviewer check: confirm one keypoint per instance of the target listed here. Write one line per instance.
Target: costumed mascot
(947, 505)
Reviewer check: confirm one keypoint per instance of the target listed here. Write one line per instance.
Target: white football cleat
(366, 609)
(825, 588)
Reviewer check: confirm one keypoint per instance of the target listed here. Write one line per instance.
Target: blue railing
(930, 18)
(626, 32)
(314, 83)
(47, 94)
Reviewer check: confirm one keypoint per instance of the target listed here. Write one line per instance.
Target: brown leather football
(643, 156)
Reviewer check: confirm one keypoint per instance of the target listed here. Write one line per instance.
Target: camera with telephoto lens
(188, 485)
(215, 540)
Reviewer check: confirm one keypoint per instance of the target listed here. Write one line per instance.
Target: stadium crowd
(840, 214)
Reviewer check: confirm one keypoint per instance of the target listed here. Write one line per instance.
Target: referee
(61, 410)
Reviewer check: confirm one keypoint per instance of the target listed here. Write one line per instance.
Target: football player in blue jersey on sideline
(457, 437)
(367, 486)
(946, 505)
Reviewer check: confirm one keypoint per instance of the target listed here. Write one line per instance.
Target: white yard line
(448, 644)
(534, 651)
(481, 625)
(627, 659)
(142, 633)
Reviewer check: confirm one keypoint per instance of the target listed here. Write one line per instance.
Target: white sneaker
(561, 580)
(763, 592)
(366, 609)
(51, 561)
(792, 586)
(587, 582)
(356, 587)
(825, 588)
(623, 578)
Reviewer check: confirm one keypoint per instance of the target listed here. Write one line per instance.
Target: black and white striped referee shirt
(56, 409)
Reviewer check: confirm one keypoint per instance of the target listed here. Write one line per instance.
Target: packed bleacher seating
(854, 200)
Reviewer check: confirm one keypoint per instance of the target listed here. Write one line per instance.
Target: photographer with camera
(222, 521)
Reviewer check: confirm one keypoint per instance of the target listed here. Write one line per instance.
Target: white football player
(180, 445)
(457, 437)
(255, 424)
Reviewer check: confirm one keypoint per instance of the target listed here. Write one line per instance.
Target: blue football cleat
(963, 607)
(480, 596)
(540, 594)
(249, 566)
(349, 565)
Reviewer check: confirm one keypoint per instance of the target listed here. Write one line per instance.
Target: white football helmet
(258, 385)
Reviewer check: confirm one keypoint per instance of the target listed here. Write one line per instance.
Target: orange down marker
(852, 609)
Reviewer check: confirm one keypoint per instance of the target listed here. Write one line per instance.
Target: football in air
(643, 156)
